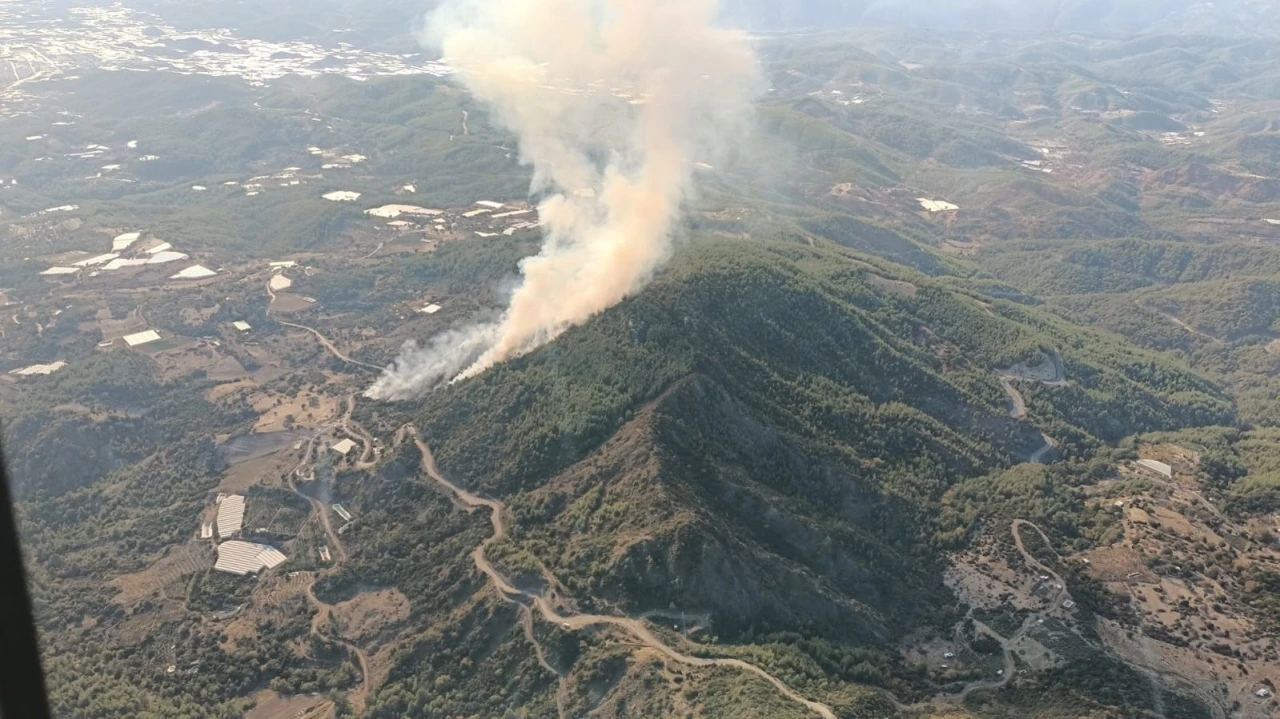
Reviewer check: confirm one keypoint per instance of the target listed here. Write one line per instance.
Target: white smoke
(612, 101)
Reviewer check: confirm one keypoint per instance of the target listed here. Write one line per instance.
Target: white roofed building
(99, 260)
(1159, 468)
(344, 447)
(121, 262)
(391, 212)
(937, 205)
(341, 196)
(196, 272)
(122, 242)
(243, 558)
(142, 338)
(39, 369)
(230, 515)
(164, 256)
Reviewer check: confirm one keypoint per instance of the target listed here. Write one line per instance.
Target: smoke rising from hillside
(612, 101)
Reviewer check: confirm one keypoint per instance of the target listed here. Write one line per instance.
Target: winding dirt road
(328, 345)
(583, 621)
(333, 350)
(323, 614)
(1018, 410)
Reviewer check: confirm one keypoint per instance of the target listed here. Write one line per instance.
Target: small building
(431, 309)
(1159, 468)
(341, 196)
(1068, 604)
(490, 204)
(344, 447)
(342, 512)
(242, 326)
(38, 369)
(936, 205)
(391, 212)
(1263, 693)
(122, 242)
(325, 556)
(60, 271)
(206, 530)
(196, 272)
(142, 338)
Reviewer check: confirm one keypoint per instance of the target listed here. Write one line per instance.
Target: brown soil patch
(1137, 516)
(1182, 460)
(289, 303)
(984, 580)
(224, 390)
(1183, 666)
(371, 614)
(308, 409)
(147, 626)
(277, 706)
(193, 557)
(277, 594)
(263, 470)
(115, 329)
(197, 356)
(1119, 564)
(1274, 347)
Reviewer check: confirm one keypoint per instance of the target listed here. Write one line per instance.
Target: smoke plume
(612, 101)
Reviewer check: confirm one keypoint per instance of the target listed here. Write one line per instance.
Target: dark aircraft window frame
(22, 690)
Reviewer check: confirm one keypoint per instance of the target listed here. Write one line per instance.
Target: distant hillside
(1111, 17)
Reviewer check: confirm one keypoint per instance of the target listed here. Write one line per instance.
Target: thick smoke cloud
(613, 102)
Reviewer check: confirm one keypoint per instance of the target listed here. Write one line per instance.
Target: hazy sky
(1090, 16)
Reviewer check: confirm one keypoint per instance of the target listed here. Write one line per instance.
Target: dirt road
(333, 350)
(583, 621)
(1036, 564)
(324, 612)
(1050, 444)
(1019, 410)
(526, 621)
